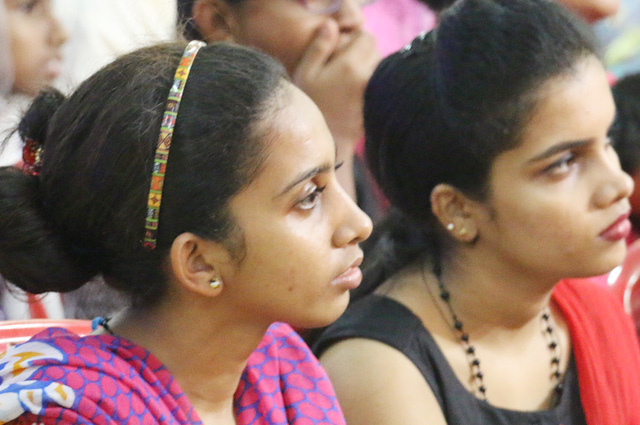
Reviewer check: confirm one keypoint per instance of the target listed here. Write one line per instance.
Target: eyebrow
(560, 147)
(305, 176)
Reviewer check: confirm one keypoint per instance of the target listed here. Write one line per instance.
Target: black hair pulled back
(443, 108)
(83, 215)
(437, 5)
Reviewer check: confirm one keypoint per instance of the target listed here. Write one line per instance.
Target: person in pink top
(395, 23)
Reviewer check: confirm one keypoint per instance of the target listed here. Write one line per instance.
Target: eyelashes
(562, 165)
(310, 201)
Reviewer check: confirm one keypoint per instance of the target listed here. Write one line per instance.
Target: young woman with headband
(490, 137)
(216, 209)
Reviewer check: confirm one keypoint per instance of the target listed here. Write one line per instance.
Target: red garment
(58, 377)
(606, 352)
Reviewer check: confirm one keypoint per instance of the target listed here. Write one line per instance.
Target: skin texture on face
(36, 37)
(554, 196)
(300, 229)
(285, 28)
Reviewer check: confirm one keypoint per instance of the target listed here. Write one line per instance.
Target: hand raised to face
(334, 72)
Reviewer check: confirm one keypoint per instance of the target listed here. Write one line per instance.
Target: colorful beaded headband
(164, 142)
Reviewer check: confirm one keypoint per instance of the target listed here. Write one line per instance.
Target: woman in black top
(489, 136)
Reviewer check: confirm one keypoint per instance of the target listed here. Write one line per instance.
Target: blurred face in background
(592, 10)
(35, 39)
(283, 29)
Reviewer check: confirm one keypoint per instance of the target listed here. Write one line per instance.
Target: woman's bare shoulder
(378, 385)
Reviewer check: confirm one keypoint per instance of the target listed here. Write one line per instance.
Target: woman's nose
(349, 16)
(616, 185)
(356, 226)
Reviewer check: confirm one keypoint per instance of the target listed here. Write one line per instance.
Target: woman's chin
(323, 316)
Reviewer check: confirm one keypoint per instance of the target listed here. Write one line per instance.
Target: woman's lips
(618, 230)
(350, 278)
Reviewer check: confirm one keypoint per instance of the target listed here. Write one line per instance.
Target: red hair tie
(32, 157)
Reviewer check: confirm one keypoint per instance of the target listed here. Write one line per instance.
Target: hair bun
(32, 256)
(35, 121)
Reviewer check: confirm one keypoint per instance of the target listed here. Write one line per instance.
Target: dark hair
(443, 109)
(437, 5)
(626, 131)
(84, 214)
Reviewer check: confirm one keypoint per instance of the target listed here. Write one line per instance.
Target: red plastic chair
(625, 282)
(13, 332)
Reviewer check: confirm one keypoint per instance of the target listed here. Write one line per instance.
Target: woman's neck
(502, 316)
(483, 297)
(206, 353)
(493, 294)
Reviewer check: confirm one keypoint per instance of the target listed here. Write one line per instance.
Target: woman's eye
(562, 165)
(312, 199)
(28, 5)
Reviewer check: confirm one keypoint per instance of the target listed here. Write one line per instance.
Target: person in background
(626, 138)
(31, 39)
(326, 52)
(502, 195)
(199, 181)
(61, 42)
(394, 23)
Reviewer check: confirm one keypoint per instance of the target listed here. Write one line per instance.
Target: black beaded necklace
(477, 377)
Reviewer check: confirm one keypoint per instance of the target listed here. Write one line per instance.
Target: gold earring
(215, 283)
(463, 231)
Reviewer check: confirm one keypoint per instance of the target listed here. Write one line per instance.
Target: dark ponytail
(32, 254)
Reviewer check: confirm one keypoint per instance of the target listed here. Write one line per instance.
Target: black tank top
(387, 321)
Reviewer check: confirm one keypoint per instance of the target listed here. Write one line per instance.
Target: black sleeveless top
(387, 321)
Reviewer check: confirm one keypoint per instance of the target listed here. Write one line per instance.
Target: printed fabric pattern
(58, 377)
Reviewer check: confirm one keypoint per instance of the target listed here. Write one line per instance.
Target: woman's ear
(196, 262)
(455, 212)
(214, 19)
